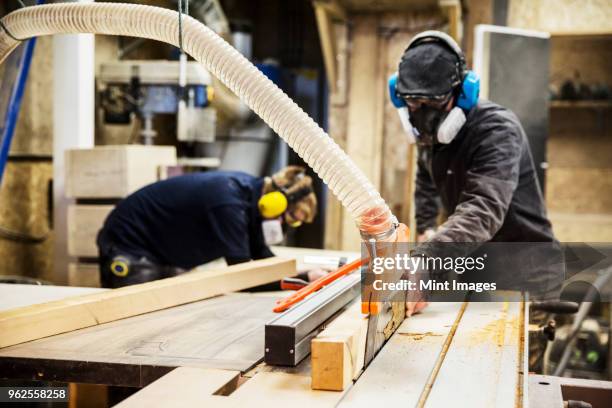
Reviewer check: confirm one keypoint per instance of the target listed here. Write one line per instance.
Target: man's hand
(415, 307)
(316, 273)
(425, 236)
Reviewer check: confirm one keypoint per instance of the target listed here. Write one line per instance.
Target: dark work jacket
(486, 182)
(189, 220)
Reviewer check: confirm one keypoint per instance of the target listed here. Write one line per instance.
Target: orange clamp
(286, 303)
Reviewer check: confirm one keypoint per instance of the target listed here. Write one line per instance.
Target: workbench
(209, 353)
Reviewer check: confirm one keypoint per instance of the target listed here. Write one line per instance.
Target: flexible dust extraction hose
(301, 133)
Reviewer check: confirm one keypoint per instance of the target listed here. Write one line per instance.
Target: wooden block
(183, 387)
(47, 319)
(114, 171)
(84, 223)
(84, 275)
(338, 351)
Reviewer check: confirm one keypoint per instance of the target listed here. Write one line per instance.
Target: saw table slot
(401, 370)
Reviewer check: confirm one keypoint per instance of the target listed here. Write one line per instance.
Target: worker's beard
(427, 120)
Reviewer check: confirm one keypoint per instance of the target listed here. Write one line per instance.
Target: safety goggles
(415, 103)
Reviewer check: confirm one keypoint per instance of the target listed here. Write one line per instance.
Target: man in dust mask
(476, 181)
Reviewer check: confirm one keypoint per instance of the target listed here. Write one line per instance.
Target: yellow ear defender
(296, 224)
(273, 205)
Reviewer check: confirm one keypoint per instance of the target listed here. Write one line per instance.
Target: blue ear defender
(396, 100)
(470, 90)
(402, 109)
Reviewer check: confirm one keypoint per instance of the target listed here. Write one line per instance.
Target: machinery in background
(147, 88)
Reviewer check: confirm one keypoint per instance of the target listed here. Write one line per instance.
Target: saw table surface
(225, 332)
(453, 354)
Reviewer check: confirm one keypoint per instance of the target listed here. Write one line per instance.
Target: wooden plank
(282, 390)
(327, 38)
(452, 9)
(364, 134)
(483, 361)
(337, 353)
(114, 171)
(334, 8)
(90, 310)
(84, 223)
(402, 369)
(14, 295)
(135, 351)
(183, 387)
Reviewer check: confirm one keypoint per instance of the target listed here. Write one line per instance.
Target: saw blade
(383, 324)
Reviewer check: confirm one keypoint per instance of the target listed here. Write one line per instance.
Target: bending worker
(174, 225)
(474, 159)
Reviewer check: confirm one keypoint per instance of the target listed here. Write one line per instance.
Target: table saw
(210, 352)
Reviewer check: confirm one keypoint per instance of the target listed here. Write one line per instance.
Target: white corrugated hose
(301, 133)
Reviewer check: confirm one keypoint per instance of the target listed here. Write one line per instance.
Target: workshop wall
(579, 177)
(34, 130)
(361, 118)
(561, 15)
(24, 192)
(26, 239)
(475, 12)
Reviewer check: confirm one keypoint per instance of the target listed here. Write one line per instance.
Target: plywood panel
(91, 310)
(24, 208)
(34, 130)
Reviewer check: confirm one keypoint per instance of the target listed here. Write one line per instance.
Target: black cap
(428, 69)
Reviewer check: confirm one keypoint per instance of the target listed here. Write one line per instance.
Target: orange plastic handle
(286, 303)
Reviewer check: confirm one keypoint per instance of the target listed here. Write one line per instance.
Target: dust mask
(272, 231)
